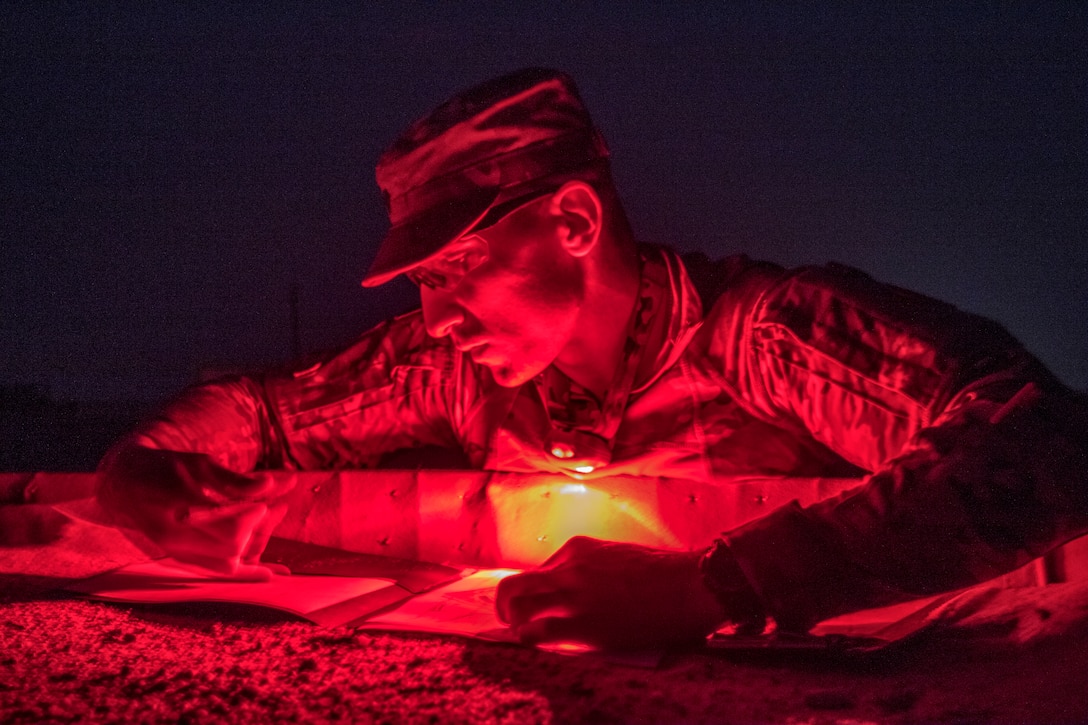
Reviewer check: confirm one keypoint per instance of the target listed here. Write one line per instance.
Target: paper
(330, 587)
(326, 600)
(465, 607)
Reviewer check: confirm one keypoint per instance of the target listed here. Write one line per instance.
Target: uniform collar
(666, 314)
(682, 312)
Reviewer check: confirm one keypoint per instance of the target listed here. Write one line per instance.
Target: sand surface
(1015, 655)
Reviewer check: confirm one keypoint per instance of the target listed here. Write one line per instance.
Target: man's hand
(192, 508)
(612, 596)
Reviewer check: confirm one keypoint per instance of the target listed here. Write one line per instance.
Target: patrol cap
(501, 140)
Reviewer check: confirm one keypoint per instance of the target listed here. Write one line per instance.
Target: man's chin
(509, 376)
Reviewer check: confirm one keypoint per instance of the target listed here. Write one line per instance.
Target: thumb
(235, 486)
(553, 630)
(262, 532)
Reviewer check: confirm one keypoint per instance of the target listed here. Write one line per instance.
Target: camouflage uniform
(977, 458)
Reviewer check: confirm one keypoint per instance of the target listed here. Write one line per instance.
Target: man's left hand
(611, 596)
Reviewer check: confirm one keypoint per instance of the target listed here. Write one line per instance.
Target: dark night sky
(169, 172)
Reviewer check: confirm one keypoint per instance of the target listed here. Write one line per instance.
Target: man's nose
(441, 314)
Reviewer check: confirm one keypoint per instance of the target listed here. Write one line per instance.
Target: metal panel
(481, 518)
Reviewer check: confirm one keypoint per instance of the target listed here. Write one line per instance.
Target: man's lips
(470, 347)
(479, 350)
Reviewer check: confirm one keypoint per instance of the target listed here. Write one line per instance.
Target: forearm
(213, 428)
(227, 420)
(997, 480)
(969, 480)
(181, 484)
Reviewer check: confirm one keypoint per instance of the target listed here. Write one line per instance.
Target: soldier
(549, 340)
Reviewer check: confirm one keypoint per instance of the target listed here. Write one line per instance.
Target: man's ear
(578, 207)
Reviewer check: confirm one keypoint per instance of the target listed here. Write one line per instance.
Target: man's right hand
(192, 508)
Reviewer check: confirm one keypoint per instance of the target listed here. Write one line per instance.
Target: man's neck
(594, 354)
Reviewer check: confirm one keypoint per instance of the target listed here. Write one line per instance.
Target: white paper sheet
(465, 607)
(159, 582)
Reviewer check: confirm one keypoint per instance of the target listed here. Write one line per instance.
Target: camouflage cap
(497, 141)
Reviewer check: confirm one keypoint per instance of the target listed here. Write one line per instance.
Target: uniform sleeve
(396, 389)
(227, 420)
(393, 389)
(979, 456)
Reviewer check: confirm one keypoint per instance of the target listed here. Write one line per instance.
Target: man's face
(508, 296)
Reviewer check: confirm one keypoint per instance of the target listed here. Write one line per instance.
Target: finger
(230, 527)
(205, 566)
(572, 547)
(555, 630)
(210, 568)
(520, 585)
(213, 518)
(523, 609)
(213, 537)
(253, 573)
(256, 486)
(203, 478)
(503, 594)
(220, 484)
(258, 540)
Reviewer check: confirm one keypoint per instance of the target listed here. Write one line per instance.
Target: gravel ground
(63, 659)
(1016, 656)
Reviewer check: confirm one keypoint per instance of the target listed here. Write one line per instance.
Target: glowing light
(584, 469)
(567, 648)
(562, 452)
(537, 524)
(500, 573)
